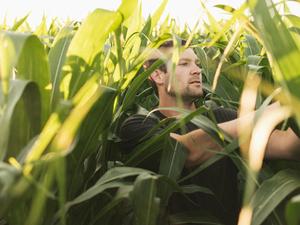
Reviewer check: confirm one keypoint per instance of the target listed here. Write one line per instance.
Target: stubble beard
(187, 94)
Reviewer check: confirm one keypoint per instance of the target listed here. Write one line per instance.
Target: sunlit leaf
(10, 137)
(57, 57)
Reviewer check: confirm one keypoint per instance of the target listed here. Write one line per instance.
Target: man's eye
(183, 64)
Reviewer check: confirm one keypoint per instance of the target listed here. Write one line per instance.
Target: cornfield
(66, 88)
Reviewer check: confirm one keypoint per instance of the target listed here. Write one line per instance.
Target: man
(180, 88)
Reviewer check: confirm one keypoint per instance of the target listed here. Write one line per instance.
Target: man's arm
(135, 129)
(200, 146)
(281, 144)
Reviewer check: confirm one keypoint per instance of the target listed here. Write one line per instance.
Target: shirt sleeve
(136, 129)
(224, 114)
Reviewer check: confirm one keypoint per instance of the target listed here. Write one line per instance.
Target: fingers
(175, 136)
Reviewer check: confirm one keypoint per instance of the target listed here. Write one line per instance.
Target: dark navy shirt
(220, 177)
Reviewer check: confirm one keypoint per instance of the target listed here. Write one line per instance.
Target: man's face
(186, 81)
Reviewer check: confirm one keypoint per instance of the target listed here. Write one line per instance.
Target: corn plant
(65, 90)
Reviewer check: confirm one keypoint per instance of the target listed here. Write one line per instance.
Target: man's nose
(196, 69)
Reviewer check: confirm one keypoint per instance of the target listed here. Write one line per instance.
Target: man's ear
(158, 76)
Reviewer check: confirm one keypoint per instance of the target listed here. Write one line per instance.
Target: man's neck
(172, 102)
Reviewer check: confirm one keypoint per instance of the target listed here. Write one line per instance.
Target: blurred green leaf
(88, 43)
(17, 138)
(109, 180)
(9, 55)
(251, 46)
(26, 53)
(33, 65)
(57, 58)
(123, 193)
(226, 8)
(96, 122)
(295, 20)
(127, 7)
(91, 36)
(282, 49)
(145, 202)
(19, 23)
(136, 84)
(292, 211)
(198, 217)
(42, 28)
(157, 14)
(172, 159)
(272, 192)
(8, 177)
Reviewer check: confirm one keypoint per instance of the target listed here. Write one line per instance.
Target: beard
(187, 94)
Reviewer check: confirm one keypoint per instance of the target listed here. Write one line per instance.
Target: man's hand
(199, 144)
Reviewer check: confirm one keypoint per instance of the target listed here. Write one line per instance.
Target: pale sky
(184, 11)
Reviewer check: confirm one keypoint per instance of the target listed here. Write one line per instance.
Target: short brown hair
(166, 44)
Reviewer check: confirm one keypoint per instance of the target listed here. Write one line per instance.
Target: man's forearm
(231, 127)
(283, 145)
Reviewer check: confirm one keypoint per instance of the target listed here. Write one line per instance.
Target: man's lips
(195, 82)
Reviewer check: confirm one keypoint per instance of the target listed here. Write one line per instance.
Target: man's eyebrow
(189, 59)
(185, 59)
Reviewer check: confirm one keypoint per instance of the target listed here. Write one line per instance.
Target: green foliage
(64, 90)
(292, 209)
(276, 188)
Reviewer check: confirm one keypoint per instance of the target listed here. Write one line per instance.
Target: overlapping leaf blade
(277, 39)
(14, 137)
(272, 192)
(57, 58)
(145, 202)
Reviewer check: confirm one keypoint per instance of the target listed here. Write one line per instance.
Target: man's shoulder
(224, 114)
(137, 128)
(141, 119)
(138, 123)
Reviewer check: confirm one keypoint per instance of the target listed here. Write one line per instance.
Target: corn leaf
(26, 53)
(251, 46)
(283, 51)
(157, 14)
(109, 180)
(33, 65)
(89, 39)
(145, 202)
(127, 8)
(57, 58)
(8, 177)
(173, 159)
(292, 211)
(42, 28)
(272, 192)
(19, 23)
(295, 20)
(96, 122)
(194, 217)
(226, 8)
(17, 138)
(103, 215)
